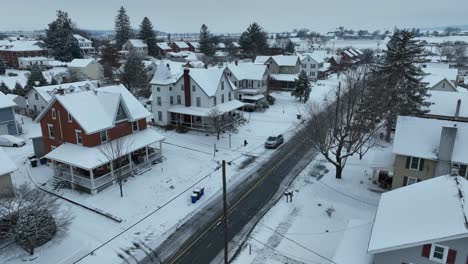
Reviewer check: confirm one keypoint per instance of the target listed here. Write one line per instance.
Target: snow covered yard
(22, 76)
(300, 231)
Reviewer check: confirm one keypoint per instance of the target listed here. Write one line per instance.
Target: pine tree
(36, 78)
(303, 87)
(123, 31)
(148, 35)
(53, 81)
(19, 90)
(2, 67)
(253, 41)
(3, 88)
(398, 88)
(290, 47)
(60, 38)
(207, 46)
(134, 76)
(110, 55)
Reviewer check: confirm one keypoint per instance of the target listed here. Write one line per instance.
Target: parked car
(11, 141)
(274, 142)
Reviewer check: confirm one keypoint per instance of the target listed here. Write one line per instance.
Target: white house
(191, 97)
(86, 45)
(135, 45)
(440, 78)
(28, 62)
(251, 81)
(313, 62)
(88, 68)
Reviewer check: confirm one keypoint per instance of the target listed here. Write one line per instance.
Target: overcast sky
(235, 15)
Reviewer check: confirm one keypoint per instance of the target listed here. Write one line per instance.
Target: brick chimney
(187, 93)
(446, 145)
(457, 111)
(60, 91)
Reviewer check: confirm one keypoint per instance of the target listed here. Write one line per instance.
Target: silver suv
(274, 142)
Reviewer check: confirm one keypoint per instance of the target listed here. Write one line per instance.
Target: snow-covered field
(359, 43)
(160, 196)
(302, 232)
(22, 77)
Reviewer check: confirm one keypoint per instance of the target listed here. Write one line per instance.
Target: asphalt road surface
(207, 243)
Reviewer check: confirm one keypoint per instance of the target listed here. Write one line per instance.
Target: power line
(344, 194)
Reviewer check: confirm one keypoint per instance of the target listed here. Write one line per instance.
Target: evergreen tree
(303, 87)
(18, 90)
(253, 41)
(53, 81)
(207, 45)
(108, 71)
(2, 67)
(123, 31)
(231, 50)
(60, 38)
(148, 35)
(3, 88)
(36, 78)
(110, 56)
(290, 47)
(134, 76)
(397, 88)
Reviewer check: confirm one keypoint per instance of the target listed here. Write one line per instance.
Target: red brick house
(163, 48)
(79, 128)
(12, 50)
(180, 46)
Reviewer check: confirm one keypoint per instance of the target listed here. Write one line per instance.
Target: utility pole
(225, 214)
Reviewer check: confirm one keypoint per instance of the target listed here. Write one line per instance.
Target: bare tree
(216, 121)
(31, 218)
(115, 153)
(340, 130)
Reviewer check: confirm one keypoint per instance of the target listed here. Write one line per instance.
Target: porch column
(54, 168)
(112, 170)
(91, 175)
(147, 156)
(191, 121)
(72, 177)
(130, 160)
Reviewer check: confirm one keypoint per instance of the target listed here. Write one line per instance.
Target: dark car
(274, 142)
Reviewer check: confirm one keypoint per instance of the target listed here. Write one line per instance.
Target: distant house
(8, 123)
(283, 71)
(78, 128)
(163, 48)
(87, 68)
(86, 45)
(39, 97)
(440, 78)
(28, 62)
(191, 97)
(251, 81)
(8, 166)
(426, 148)
(194, 46)
(313, 63)
(136, 45)
(422, 223)
(221, 46)
(11, 51)
(179, 46)
(448, 105)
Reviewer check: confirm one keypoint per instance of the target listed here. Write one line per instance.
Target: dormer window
(121, 115)
(103, 136)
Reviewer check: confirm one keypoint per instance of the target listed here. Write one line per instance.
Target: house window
(182, 87)
(214, 101)
(461, 169)
(159, 116)
(198, 102)
(194, 88)
(70, 119)
(222, 85)
(36, 96)
(439, 253)
(171, 99)
(222, 98)
(229, 96)
(50, 128)
(179, 99)
(158, 100)
(135, 127)
(414, 163)
(158, 89)
(170, 88)
(103, 135)
(79, 137)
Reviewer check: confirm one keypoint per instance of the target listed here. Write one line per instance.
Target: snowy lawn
(22, 77)
(300, 231)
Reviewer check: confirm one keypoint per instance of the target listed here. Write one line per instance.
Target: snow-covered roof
(261, 59)
(32, 58)
(337, 58)
(8, 165)
(284, 77)
(248, 71)
(163, 46)
(81, 39)
(286, 60)
(23, 45)
(410, 141)
(318, 56)
(221, 46)
(166, 73)
(207, 79)
(138, 43)
(181, 44)
(92, 157)
(426, 212)
(348, 53)
(235, 44)
(444, 103)
(194, 44)
(47, 92)
(204, 111)
(437, 74)
(80, 63)
(6, 101)
(95, 110)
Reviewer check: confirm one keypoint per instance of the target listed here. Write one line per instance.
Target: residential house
(39, 97)
(135, 45)
(27, 62)
(179, 46)
(426, 148)
(251, 81)
(163, 48)
(194, 46)
(87, 68)
(85, 133)
(221, 46)
(8, 166)
(447, 105)
(86, 45)
(440, 78)
(11, 51)
(313, 64)
(283, 71)
(423, 223)
(193, 97)
(8, 123)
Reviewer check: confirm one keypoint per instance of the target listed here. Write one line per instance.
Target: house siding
(401, 171)
(7, 121)
(414, 254)
(6, 186)
(444, 85)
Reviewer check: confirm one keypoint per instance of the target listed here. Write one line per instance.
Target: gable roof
(404, 219)
(444, 103)
(47, 92)
(181, 44)
(261, 59)
(23, 45)
(286, 60)
(80, 63)
(410, 141)
(248, 71)
(437, 74)
(163, 46)
(207, 79)
(318, 56)
(95, 110)
(194, 44)
(167, 72)
(81, 39)
(6, 101)
(138, 43)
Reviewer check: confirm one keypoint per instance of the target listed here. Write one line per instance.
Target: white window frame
(137, 126)
(48, 130)
(77, 131)
(446, 250)
(106, 135)
(411, 163)
(69, 118)
(457, 166)
(413, 180)
(54, 113)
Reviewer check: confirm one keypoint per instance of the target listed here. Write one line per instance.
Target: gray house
(7, 116)
(423, 223)
(6, 184)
